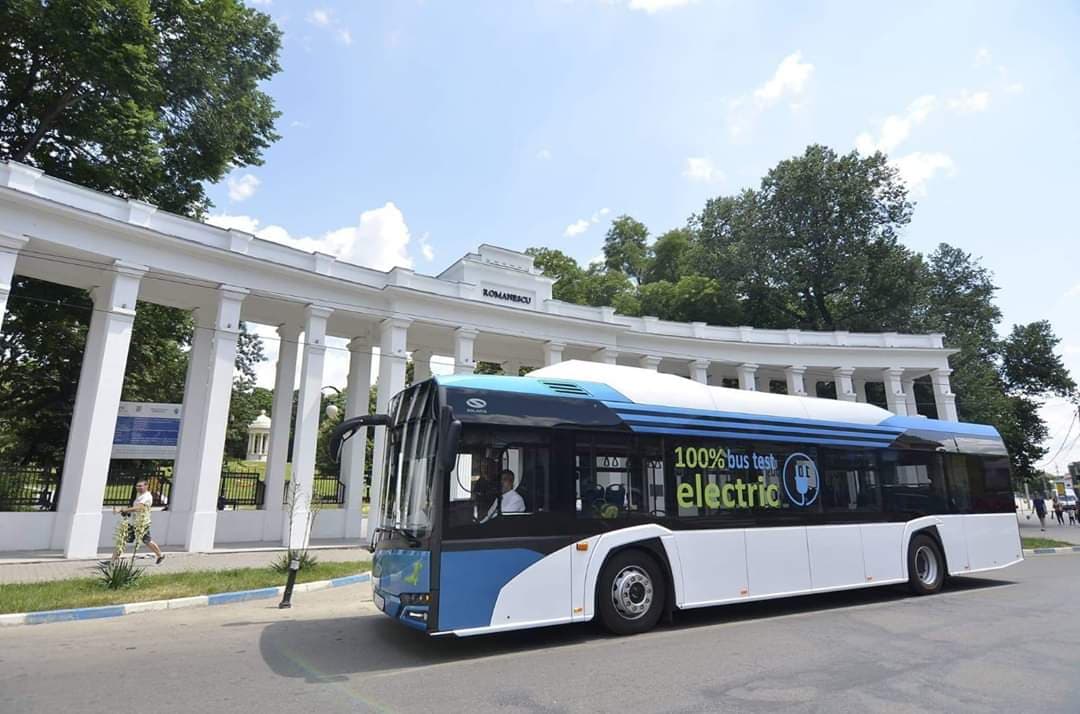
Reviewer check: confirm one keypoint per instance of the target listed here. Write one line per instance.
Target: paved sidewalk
(14, 570)
(1029, 528)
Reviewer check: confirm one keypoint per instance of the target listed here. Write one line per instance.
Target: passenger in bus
(509, 502)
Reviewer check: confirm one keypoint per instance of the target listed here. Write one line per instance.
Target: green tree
(626, 247)
(147, 99)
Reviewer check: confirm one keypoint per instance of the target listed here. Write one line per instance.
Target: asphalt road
(1010, 642)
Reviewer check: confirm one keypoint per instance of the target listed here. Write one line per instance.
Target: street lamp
(332, 410)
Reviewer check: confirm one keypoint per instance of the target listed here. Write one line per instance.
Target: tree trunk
(66, 99)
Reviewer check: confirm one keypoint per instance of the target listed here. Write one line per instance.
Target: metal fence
(241, 489)
(325, 491)
(120, 485)
(29, 488)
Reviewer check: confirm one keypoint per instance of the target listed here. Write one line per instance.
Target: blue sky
(413, 131)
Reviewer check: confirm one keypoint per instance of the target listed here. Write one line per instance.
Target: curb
(1052, 551)
(95, 613)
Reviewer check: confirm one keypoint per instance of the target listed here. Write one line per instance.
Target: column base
(272, 528)
(81, 535)
(295, 534)
(354, 523)
(199, 537)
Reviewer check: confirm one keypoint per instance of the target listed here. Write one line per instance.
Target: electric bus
(586, 490)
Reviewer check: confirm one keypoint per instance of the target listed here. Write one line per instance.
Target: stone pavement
(1029, 528)
(43, 567)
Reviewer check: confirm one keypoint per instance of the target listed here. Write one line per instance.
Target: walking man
(1040, 510)
(140, 513)
(1059, 512)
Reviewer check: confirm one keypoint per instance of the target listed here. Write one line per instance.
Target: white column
(77, 527)
(511, 367)
(649, 362)
(605, 355)
(197, 472)
(845, 388)
(796, 385)
(943, 395)
(746, 372)
(421, 364)
(699, 371)
(908, 384)
(860, 390)
(353, 454)
(553, 353)
(464, 337)
(9, 253)
(894, 391)
(277, 453)
(393, 335)
(306, 432)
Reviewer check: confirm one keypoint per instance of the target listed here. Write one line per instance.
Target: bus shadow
(331, 650)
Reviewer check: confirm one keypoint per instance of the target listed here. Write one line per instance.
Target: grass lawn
(1044, 543)
(85, 592)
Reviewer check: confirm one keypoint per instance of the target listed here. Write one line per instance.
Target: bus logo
(475, 403)
(801, 483)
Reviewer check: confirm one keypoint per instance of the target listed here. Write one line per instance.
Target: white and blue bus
(589, 491)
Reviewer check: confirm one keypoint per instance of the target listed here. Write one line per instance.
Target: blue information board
(146, 430)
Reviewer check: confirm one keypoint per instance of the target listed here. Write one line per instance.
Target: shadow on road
(327, 651)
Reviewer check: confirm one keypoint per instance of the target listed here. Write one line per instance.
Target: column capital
(555, 345)
(649, 362)
(11, 242)
(700, 363)
(467, 332)
(133, 270)
(289, 331)
(893, 372)
(843, 371)
(941, 372)
(795, 369)
(402, 323)
(360, 343)
(607, 355)
(313, 310)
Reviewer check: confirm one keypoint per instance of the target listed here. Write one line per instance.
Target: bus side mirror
(449, 435)
(346, 429)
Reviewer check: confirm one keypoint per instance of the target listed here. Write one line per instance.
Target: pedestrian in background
(1071, 512)
(1059, 511)
(140, 512)
(1040, 510)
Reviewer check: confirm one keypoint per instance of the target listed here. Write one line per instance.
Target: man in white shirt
(509, 502)
(140, 509)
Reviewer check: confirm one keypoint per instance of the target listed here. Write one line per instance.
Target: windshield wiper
(412, 538)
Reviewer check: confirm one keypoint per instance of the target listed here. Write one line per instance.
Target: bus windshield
(410, 461)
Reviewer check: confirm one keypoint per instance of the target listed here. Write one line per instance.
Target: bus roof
(655, 402)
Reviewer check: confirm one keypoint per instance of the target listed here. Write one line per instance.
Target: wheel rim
(926, 565)
(632, 592)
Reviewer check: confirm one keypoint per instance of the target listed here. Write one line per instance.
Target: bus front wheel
(926, 566)
(630, 593)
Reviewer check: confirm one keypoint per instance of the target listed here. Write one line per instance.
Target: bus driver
(509, 502)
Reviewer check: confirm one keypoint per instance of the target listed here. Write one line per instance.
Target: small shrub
(281, 564)
(118, 574)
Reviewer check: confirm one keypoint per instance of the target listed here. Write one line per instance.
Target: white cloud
(897, 127)
(701, 168)
(321, 17)
(576, 228)
(789, 81)
(982, 57)
(1072, 292)
(544, 154)
(379, 240)
(242, 188)
(654, 6)
(425, 247)
(968, 102)
(919, 167)
(583, 224)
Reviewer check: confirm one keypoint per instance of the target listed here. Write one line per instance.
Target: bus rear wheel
(926, 566)
(631, 593)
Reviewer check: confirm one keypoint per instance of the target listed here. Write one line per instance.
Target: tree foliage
(146, 99)
(817, 246)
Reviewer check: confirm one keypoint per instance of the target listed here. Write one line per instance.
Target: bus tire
(926, 565)
(630, 592)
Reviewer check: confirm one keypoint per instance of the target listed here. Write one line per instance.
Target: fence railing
(325, 491)
(241, 489)
(29, 488)
(120, 486)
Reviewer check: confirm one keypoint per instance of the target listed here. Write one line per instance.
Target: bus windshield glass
(410, 461)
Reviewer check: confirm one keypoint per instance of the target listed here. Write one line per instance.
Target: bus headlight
(415, 598)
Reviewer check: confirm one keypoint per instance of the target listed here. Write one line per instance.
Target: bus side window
(913, 482)
(850, 481)
(608, 483)
(978, 484)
